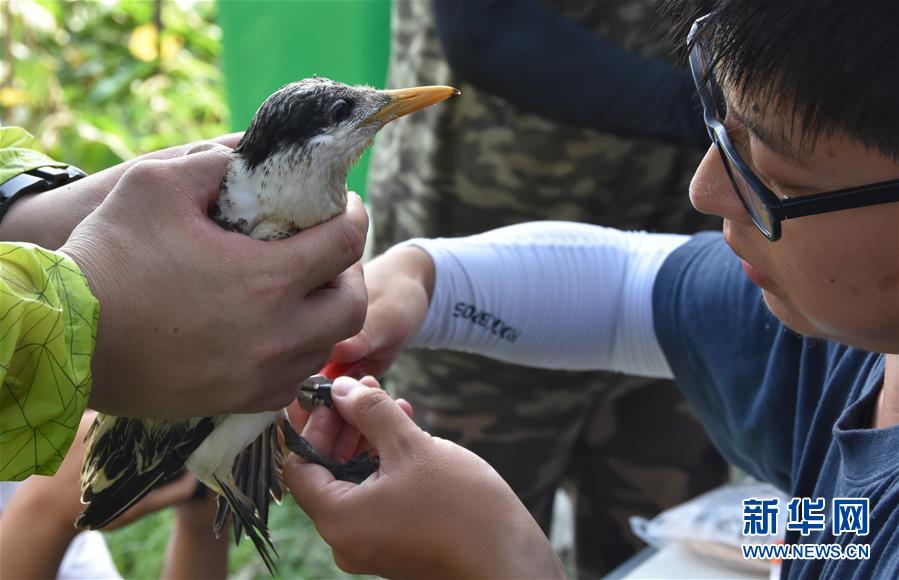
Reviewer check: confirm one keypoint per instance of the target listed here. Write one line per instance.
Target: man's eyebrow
(776, 142)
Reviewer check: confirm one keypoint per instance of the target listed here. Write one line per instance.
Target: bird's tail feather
(246, 515)
(258, 474)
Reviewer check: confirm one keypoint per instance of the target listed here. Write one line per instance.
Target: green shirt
(48, 326)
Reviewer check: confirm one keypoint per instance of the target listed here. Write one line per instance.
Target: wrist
(402, 287)
(415, 264)
(102, 286)
(529, 553)
(520, 550)
(56, 506)
(26, 214)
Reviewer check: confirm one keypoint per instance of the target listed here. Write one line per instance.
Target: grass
(139, 549)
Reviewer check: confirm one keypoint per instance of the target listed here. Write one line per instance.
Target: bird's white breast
(245, 203)
(217, 452)
(287, 188)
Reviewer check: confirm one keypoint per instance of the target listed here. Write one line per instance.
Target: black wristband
(36, 181)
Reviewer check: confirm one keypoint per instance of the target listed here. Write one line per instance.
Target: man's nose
(712, 192)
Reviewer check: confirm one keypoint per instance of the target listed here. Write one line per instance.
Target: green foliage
(98, 82)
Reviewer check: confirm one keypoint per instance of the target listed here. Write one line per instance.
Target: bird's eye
(340, 110)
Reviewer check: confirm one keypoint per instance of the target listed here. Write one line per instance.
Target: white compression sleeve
(557, 295)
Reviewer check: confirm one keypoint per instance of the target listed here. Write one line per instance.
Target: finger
(195, 179)
(324, 251)
(365, 446)
(350, 442)
(375, 415)
(322, 430)
(230, 140)
(370, 382)
(105, 180)
(406, 406)
(334, 369)
(200, 146)
(314, 488)
(201, 173)
(298, 416)
(347, 443)
(355, 358)
(351, 351)
(372, 349)
(338, 311)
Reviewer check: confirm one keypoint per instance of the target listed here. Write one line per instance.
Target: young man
(783, 332)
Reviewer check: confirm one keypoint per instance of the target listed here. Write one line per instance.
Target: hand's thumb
(200, 171)
(352, 350)
(310, 484)
(377, 417)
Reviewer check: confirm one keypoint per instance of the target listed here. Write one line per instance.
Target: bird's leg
(317, 390)
(354, 470)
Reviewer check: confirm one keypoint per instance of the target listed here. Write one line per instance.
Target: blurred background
(102, 81)
(98, 82)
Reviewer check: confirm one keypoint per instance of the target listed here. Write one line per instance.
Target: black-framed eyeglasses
(764, 207)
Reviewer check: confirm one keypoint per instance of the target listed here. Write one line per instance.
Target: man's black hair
(834, 64)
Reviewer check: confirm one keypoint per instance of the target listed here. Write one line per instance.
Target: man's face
(834, 275)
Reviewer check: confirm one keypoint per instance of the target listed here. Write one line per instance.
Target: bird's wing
(126, 458)
(257, 476)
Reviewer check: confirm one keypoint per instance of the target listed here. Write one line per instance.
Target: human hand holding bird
(287, 174)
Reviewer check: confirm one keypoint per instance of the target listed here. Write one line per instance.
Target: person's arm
(193, 551)
(48, 324)
(529, 54)
(38, 522)
(547, 294)
(48, 218)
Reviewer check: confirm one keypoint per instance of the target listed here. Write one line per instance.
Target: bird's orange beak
(405, 101)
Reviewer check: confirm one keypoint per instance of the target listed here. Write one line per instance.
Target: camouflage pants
(622, 446)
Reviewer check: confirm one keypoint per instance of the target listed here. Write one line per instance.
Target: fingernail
(342, 386)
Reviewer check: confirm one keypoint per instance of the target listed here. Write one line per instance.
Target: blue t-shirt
(790, 410)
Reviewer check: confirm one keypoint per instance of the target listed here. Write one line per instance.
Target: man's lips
(754, 275)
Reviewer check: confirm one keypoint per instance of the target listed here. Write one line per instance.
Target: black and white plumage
(287, 173)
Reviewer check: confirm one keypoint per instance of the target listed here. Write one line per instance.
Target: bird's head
(294, 158)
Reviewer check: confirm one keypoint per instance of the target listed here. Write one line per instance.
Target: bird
(287, 173)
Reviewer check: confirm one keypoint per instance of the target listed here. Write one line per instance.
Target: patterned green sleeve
(19, 153)
(48, 326)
